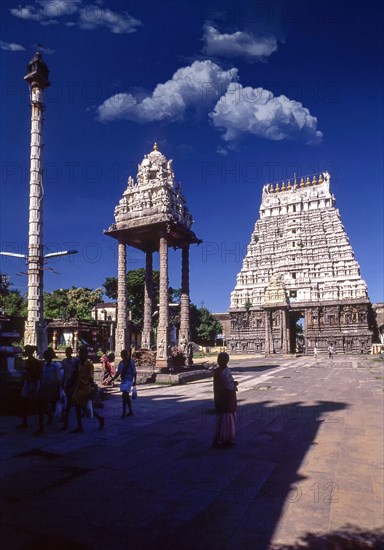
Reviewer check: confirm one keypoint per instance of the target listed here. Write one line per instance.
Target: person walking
(82, 391)
(30, 391)
(315, 352)
(127, 372)
(331, 351)
(70, 367)
(50, 389)
(224, 392)
(109, 371)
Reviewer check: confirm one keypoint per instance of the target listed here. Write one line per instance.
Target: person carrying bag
(127, 372)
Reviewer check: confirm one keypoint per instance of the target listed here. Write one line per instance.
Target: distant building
(104, 312)
(74, 333)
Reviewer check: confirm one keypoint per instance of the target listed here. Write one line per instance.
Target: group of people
(70, 383)
(45, 383)
(331, 351)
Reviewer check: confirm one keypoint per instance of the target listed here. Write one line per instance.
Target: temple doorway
(297, 332)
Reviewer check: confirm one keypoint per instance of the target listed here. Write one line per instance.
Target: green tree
(110, 287)
(5, 284)
(135, 293)
(56, 304)
(11, 301)
(247, 305)
(73, 303)
(204, 326)
(82, 300)
(135, 281)
(15, 304)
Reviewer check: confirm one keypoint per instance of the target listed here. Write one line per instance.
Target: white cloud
(58, 8)
(92, 17)
(27, 12)
(257, 112)
(47, 11)
(46, 51)
(75, 13)
(198, 85)
(222, 151)
(11, 47)
(238, 44)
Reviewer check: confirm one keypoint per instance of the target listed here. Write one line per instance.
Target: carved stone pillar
(285, 332)
(162, 331)
(75, 340)
(148, 297)
(184, 334)
(122, 336)
(54, 339)
(307, 322)
(268, 332)
(94, 340)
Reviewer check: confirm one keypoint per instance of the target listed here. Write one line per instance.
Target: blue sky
(236, 93)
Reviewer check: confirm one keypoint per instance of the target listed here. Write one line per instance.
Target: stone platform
(308, 462)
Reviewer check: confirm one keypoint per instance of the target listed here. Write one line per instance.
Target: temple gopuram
(299, 281)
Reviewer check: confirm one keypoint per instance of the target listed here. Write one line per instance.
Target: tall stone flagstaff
(35, 330)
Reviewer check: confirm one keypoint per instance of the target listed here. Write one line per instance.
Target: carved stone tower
(299, 270)
(35, 330)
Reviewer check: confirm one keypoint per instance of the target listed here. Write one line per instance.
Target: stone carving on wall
(275, 292)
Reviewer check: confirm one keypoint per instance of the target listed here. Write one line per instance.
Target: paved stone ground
(308, 459)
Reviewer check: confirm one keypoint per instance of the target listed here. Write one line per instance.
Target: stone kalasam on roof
(299, 264)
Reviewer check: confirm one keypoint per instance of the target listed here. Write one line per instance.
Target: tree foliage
(5, 284)
(11, 301)
(110, 287)
(135, 281)
(15, 304)
(204, 326)
(73, 303)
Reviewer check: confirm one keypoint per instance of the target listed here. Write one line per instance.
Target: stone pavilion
(152, 216)
(299, 269)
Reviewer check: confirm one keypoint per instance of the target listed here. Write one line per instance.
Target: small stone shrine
(152, 216)
(299, 270)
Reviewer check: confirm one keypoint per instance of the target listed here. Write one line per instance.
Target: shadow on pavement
(159, 485)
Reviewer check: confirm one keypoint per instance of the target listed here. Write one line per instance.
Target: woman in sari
(224, 391)
(109, 371)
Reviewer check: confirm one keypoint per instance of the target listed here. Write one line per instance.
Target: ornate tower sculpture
(35, 331)
(299, 266)
(152, 216)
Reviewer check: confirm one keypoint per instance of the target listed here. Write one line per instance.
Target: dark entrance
(297, 332)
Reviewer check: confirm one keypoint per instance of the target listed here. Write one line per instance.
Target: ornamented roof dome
(155, 168)
(154, 195)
